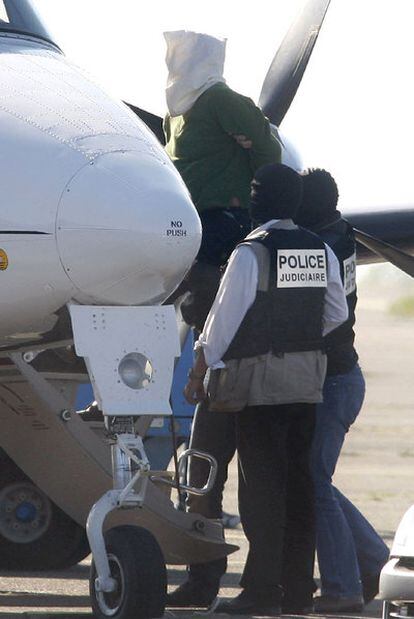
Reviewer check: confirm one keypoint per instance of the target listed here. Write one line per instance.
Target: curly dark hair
(319, 199)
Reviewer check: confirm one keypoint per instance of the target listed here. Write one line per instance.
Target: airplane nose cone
(127, 231)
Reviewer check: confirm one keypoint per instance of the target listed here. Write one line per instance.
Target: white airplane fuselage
(93, 211)
(94, 215)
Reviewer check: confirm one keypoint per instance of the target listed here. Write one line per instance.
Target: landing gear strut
(128, 574)
(131, 377)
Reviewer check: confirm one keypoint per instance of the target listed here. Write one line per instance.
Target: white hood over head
(195, 62)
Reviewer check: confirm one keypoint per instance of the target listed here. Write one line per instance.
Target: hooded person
(263, 342)
(216, 137)
(350, 552)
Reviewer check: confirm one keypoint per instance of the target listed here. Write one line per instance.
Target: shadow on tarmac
(230, 579)
(77, 572)
(374, 610)
(43, 600)
(74, 603)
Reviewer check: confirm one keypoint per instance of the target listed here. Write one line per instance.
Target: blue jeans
(348, 547)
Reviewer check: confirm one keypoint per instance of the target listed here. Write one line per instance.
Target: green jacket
(213, 166)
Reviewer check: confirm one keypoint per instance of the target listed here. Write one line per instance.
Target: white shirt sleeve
(335, 307)
(235, 296)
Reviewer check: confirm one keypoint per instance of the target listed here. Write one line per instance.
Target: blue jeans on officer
(347, 545)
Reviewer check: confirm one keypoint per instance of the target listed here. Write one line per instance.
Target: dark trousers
(213, 433)
(276, 500)
(222, 230)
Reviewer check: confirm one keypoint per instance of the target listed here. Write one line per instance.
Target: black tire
(35, 534)
(138, 565)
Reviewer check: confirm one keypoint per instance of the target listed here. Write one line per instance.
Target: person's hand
(242, 140)
(194, 391)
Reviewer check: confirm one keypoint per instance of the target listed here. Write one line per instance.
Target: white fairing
(92, 208)
(397, 578)
(125, 233)
(403, 545)
(136, 346)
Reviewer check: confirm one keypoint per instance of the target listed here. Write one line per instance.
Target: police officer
(216, 138)
(262, 340)
(350, 552)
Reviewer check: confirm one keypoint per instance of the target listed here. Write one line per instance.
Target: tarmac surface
(375, 470)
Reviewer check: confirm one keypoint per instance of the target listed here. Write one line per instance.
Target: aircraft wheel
(137, 564)
(34, 533)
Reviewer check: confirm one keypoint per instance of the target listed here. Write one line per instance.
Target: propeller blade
(291, 59)
(152, 121)
(400, 259)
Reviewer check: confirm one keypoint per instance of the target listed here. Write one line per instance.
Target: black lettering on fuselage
(176, 232)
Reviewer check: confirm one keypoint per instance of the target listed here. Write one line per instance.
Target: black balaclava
(319, 201)
(276, 193)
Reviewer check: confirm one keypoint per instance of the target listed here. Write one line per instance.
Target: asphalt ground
(375, 469)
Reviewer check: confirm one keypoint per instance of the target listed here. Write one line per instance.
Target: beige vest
(268, 380)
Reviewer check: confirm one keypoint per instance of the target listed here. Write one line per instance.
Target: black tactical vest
(286, 315)
(339, 344)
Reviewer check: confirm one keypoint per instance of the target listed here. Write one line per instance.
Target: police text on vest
(301, 268)
(350, 274)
